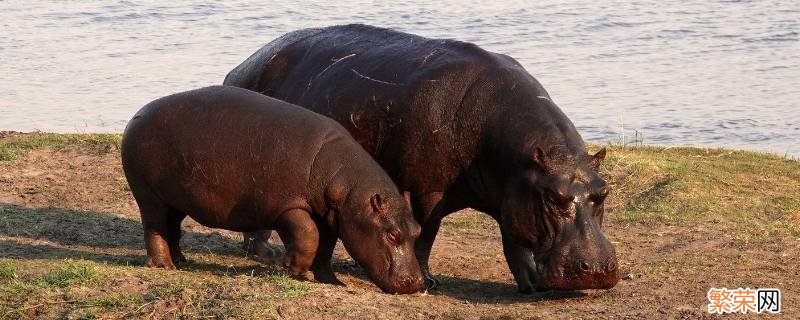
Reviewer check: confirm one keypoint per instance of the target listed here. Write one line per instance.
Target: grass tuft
(15, 146)
(753, 196)
(69, 274)
(8, 270)
(290, 288)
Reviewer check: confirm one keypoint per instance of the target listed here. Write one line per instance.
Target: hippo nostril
(611, 266)
(584, 266)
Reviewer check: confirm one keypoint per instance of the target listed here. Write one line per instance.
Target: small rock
(630, 276)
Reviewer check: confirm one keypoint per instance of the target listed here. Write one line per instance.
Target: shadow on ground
(58, 233)
(470, 290)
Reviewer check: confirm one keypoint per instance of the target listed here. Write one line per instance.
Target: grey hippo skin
(234, 159)
(455, 126)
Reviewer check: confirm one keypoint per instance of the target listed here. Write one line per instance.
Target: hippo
(456, 127)
(238, 160)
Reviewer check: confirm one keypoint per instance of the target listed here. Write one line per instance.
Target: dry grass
(14, 145)
(71, 246)
(752, 195)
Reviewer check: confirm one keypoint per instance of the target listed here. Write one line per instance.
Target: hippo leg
(424, 207)
(155, 220)
(156, 232)
(301, 239)
(257, 243)
(520, 261)
(423, 248)
(174, 236)
(321, 267)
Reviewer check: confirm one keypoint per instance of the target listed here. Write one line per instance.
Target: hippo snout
(600, 275)
(404, 285)
(580, 275)
(584, 268)
(579, 265)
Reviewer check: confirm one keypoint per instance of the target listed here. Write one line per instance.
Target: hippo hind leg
(301, 239)
(156, 221)
(321, 267)
(174, 236)
(257, 243)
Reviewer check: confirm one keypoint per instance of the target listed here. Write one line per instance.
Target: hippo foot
(526, 285)
(325, 275)
(328, 279)
(264, 250)
(430, 281)
(160, 262)
(179, 258)
(526, 288)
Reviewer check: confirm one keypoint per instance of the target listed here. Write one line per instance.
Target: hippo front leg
(321, 267)
(520, 261)
(301, 239)
(428, 212)
(422, 249)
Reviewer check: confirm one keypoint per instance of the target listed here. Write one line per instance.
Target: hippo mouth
(581, 276)
(393, 280)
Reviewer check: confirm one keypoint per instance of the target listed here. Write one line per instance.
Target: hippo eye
(394, 235)
(600, 194)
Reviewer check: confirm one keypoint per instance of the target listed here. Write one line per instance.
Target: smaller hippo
(234, 159)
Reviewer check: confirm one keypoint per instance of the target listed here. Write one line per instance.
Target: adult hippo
(455, 126)
(234, 159)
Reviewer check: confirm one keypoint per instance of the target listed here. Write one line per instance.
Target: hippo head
(379, 231)
(556, 209)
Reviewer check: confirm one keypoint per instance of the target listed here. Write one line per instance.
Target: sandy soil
(73, 203)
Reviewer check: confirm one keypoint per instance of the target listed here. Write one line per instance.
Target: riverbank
(682, 220)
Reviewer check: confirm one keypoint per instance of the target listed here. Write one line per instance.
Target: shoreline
(590, 144)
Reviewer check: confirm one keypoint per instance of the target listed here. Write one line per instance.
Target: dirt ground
(71, 206)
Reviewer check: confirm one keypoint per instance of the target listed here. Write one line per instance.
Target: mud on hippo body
(455, 126)
(234, 159)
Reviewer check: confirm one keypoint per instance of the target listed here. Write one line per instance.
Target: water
(679, 72)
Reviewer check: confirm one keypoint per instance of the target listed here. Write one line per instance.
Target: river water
(719, 73)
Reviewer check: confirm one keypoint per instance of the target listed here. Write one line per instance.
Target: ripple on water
(698, 72)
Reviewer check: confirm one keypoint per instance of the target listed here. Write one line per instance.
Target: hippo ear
(378, 205)
(597, 159)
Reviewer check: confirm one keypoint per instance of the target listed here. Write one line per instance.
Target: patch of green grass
(78, 214)
(468, 221)
(69, 274)
(10, 215)
(295, 290)
(71, 289)
(8, 270)
(10, 312)
(753, 196)
(682, 265)
(175, 287)
(123, 184)
(16, 287)
(277, 276)
(115, 301)
(15, 146)
(290, 288)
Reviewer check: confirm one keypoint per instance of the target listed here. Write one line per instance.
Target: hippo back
(404, 98)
